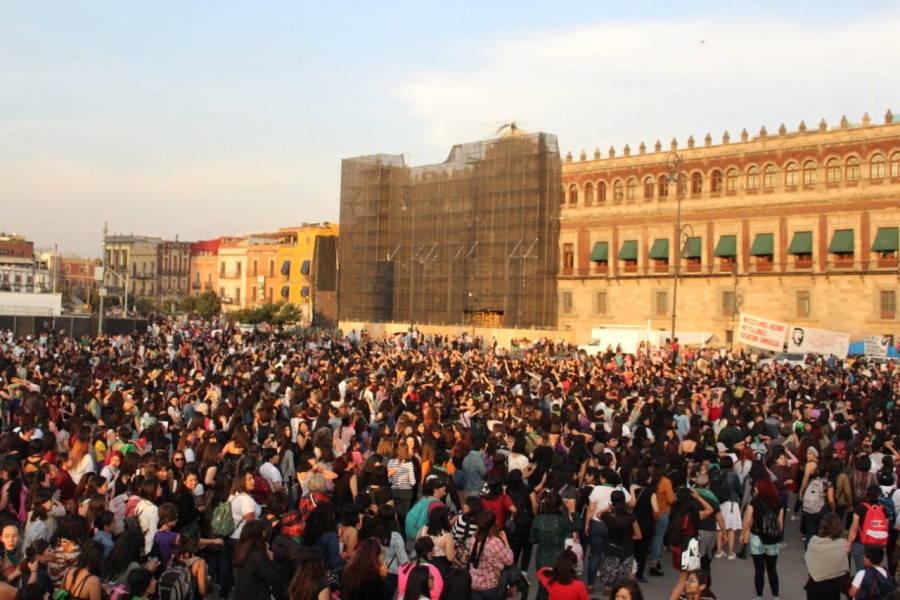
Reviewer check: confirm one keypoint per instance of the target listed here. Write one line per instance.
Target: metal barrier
(74, 325)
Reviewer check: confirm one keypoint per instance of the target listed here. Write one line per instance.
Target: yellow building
(232, 262)
(262, 254)
(296, 259)
(205, 267)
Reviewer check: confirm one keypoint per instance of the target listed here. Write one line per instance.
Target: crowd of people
(196, 460)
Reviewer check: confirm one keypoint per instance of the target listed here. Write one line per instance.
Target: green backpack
(222, 522)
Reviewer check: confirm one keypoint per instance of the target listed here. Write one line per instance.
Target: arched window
(601, 192)
(833, 171)
(731, 180)
(810, 172)
(663, 186)
(631, 189)
(895, 164)
(589, 193)
(573, 194)
(753, 178)
(649, 184)
(562, 196)
(851, 169)
(696, 183)
(715, 182)
(769, 175)
(792, 175)
(618, 190)
(876, 166)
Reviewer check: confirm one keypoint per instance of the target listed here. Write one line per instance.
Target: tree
(208, 305)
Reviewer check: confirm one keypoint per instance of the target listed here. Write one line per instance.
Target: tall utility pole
(676, 167)
(102, 283)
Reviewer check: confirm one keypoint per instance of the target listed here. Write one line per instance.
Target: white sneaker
(720, 554)
(782, 545)
(795, 518)
(732, 556)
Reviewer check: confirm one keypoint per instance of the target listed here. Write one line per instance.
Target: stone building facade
(799, 226)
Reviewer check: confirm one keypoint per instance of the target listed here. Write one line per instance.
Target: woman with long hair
(696, 586)
(14, 492)
(125, 557)
(387, 531)
(489, 553)
(549, 531)
(561, 582)
(67, 542)
(497, 501)
(689, 508)
(438, 529)
(309, 581)
(80, 455)
(320, 532)
(83, 580)
(424, 550)
(364, 574)
(644, 509)
(664, 492)
(418, 584)
(254, 573)
(763, 549)
(622, 531)
(403, 480)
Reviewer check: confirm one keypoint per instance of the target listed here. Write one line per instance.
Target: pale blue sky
(209, 118)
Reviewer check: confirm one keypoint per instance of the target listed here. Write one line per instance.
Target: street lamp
(102, 284)
(676, 167)
(736, 303)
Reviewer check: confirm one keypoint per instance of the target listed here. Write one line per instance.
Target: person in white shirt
(269, 469)
(243, 507)
(874, 555)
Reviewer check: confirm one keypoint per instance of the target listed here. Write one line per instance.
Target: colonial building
(205, 267)
(131, 260)
(76, 275)
(306, 256)
(798, 226)
(174, 262)
(17, 264)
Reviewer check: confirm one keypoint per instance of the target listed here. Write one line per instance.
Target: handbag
(690, 556)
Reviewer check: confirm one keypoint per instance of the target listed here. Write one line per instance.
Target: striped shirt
(404, 477)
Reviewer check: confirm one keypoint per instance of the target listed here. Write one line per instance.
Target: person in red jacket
(562, 582)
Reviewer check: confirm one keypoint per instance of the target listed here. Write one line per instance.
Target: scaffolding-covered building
(472, 240)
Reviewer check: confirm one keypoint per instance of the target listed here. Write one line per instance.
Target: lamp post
(102, 283)
(676, 166)
(120, 278)
(736, 304)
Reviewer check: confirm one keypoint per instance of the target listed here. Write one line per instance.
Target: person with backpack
(869, 526)
(816, 498)
(762, 531)
(434, 491)
(872, 582)
(726, 485)
(254, 573)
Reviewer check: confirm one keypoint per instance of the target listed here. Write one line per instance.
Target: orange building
(262, 255)
(204, 266)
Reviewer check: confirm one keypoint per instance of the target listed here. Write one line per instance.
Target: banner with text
(761, 333)
(819, 341)
(876, 345)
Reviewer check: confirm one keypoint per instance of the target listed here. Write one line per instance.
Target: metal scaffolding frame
(471, 240)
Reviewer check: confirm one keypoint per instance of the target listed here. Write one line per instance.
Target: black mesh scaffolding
(470, 240)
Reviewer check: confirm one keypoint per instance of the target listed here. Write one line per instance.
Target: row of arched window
(754, 177)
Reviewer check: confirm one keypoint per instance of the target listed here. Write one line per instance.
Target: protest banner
(819, 341)
(876, 345)
(761, 333)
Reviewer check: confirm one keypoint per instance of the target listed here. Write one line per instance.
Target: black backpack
(175, 583)
(875, 585)
(769, 527)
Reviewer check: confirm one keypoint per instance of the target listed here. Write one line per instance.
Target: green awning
(659, 250)
(763, 245)
(600, 252)
(629, 250)
(802, 243)
(887, 240)
(727, 246)
(694, 248)
(841, 242)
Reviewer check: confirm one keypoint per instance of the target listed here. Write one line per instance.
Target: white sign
(98, 273)
(761, 333)
(818, 341)
(103, 292)
(876, 345)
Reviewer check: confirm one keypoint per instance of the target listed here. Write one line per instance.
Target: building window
(567, 302)
(842, 247)
(237, 295)
(568, 258)
(255, 269)
(663, 186)
(851, 171)
(222, 270)
(753, 178)
(238, 270)
(833, 171)
(601, 192)
(589, 193)
(876, 167)
(631, 189)
(221, 292)
(769, 177)
(660, 303)
(649, 186)
(562, 196)
(573, 194)
(253, 293)
(804, 305)
(810, 173)
(271, 268)
(731, 180)
(715, 182)
(618, 191)
(791, 175)
(600, 303)
(727, 304)
(888, 304)
(696, 184)
(895, 164)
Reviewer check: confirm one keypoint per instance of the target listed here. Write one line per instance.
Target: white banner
(819, 341)
(876, 345)
(761, 333)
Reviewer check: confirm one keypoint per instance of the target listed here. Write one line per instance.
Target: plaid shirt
(496, 555)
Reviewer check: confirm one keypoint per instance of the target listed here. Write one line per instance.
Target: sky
(202, 119)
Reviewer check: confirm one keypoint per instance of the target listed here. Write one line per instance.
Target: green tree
(208, 305)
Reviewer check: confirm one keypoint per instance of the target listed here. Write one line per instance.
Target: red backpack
(875, 526)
